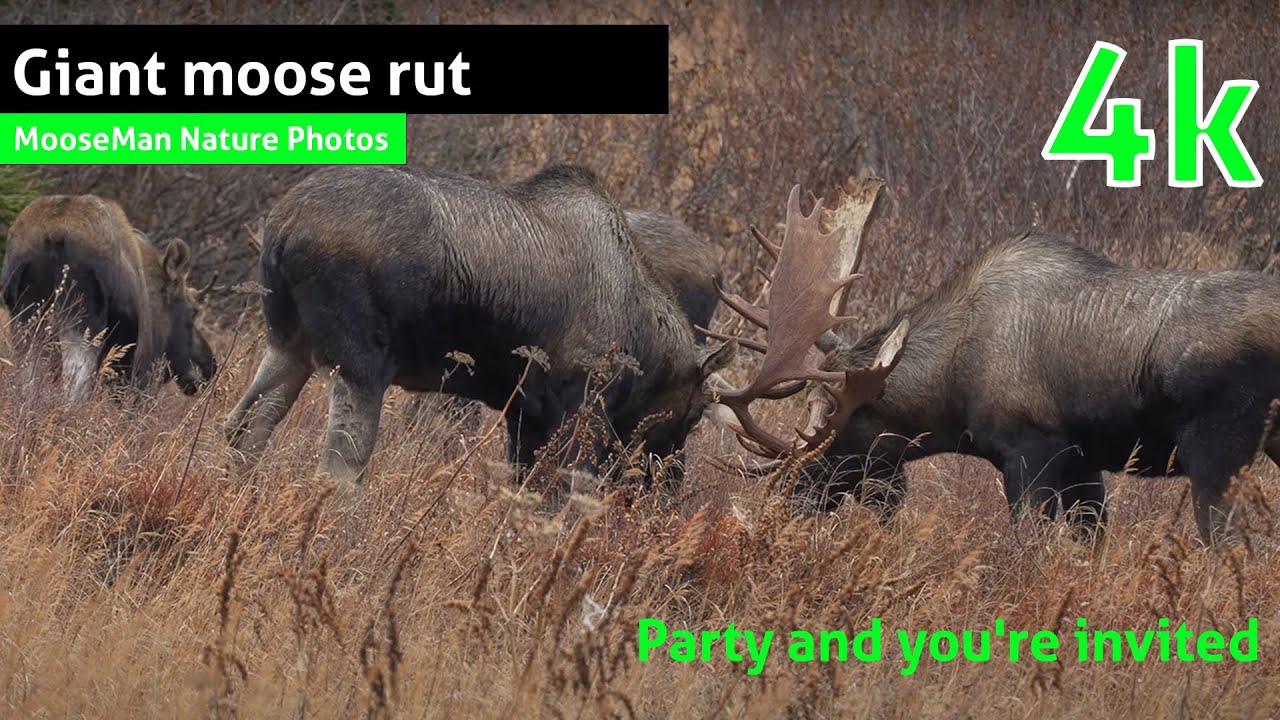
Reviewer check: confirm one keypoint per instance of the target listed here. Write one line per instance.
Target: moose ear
(177, 259)
(715, 358)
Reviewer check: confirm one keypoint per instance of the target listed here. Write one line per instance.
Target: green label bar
(202, 139)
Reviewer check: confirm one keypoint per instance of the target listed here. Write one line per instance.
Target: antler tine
(751, 435)
(768, 245)
(744, 342)
(209, 285)
(757, 316)
(759, 468)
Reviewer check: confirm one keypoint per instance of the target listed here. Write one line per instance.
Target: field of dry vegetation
(137, 579)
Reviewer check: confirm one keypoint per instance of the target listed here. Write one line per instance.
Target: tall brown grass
(137, 579)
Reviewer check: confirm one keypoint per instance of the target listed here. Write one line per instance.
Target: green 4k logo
(1124, 143)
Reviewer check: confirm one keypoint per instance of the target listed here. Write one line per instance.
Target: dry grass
(138, 580)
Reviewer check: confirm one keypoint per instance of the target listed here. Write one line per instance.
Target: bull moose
(678, 258)
(376, 274)
(1050, 361)
(119, 287)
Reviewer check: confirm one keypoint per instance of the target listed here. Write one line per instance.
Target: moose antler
(204, 289)
(850, 217)
(805, 293)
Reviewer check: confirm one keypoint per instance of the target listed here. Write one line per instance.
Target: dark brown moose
(677, 258)
(1051, 362)
(378, 274)
(130, 302)
(680, 259)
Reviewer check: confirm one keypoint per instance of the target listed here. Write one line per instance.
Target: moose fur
(676, 257)
(377, 273)
(119, 287)
(679, 258)
(1056, 364)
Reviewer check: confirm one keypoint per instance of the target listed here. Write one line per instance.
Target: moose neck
(661, 341)
(650, 328)
(562, 196)
(914, 417)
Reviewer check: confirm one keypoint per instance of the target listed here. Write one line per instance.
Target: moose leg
(22, 342)
(420, 407)
(536, 416)
(1211, 457)
(355, 407)
(883, 494)
(1084, 501)
(79, 364)
(276, 386)
(1033, 473)
(526, 434)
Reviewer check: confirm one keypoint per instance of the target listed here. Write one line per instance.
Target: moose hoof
(345, 495)
(237, 467)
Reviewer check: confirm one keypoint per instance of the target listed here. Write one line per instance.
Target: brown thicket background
(949, 102)
(138, 580)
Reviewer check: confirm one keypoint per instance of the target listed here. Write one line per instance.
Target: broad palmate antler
(806, 300)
